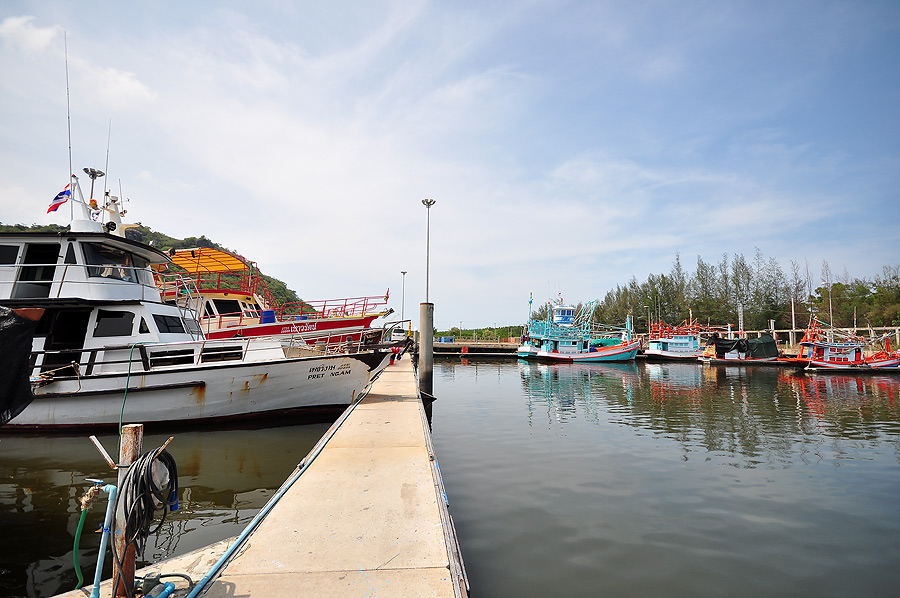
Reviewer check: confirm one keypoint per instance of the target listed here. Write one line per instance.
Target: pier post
(426, 347)
(130, 449)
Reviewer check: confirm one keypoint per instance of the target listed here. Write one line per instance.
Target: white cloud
(22, 36)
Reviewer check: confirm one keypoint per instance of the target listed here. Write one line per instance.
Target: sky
(569, 146)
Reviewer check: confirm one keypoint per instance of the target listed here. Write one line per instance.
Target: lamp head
(428, 203)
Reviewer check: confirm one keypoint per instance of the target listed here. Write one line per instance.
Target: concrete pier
(368, 516)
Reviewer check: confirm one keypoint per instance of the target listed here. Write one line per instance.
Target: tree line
(717, 292)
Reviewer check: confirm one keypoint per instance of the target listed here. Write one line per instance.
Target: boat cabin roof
(88, 266)
(202, 260)
(151, 254)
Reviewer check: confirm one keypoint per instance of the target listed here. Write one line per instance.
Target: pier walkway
(368, 517)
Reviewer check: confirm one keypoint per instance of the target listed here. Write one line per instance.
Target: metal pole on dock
(426, 316)
(426, 347)
(131, 445)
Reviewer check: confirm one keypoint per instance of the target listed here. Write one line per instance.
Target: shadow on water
(225, 477)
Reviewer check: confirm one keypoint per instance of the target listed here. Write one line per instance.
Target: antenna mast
(69, 127)
(106, 168)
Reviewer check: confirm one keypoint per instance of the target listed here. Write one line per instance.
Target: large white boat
(108, 350)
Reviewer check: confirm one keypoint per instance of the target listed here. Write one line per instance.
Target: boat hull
(337, 329)
(194, 395)
(660, 355)
(623, 352)
(865, 365)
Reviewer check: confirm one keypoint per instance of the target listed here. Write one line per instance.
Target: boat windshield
(110, 262)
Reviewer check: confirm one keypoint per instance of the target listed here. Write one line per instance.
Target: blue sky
(569, 145)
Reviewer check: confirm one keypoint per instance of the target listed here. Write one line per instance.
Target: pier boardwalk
(368, 516)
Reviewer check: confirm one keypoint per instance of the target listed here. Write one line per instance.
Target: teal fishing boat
(569, 335)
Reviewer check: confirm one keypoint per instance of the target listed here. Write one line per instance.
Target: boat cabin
(676, 343)
(564, 315)
(837, 353)
(97, 291)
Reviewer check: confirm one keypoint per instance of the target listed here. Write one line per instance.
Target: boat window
(208, 311)
(114, 323)
(109, 262)
(168, 324)
(8, 254)
(143, 329)
(193, 326)
(140, 272)
(227, 307)
(35, 278)
(70, 254)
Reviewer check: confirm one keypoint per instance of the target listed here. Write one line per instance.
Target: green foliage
(34, 228)
(716, 293)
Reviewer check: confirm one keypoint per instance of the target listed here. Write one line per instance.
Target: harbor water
(630, 479)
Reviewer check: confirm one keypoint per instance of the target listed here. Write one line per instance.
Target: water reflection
(225, 477)
(755, 412)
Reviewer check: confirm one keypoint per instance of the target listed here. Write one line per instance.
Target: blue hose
(110, 506)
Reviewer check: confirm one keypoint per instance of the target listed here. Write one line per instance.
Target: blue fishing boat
(569, 335)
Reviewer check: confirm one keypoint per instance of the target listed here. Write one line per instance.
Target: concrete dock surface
(368, 516)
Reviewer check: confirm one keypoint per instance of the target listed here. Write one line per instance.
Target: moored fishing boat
(108, 349)
(678, 343)
(740, 350)
(833, 349)
(569, 336)
(232, 300)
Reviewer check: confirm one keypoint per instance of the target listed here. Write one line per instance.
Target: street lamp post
(427, 203)
(426, 316)
(403, 294)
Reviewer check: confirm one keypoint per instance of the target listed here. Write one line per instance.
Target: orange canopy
(201, 260)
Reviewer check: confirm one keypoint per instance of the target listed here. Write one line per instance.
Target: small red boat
(232, 299)
(834, 349)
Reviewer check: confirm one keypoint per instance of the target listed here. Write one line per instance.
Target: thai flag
(61, 198)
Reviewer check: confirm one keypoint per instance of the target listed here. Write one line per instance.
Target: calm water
(225, 478)
(671, 480)
(575, 480)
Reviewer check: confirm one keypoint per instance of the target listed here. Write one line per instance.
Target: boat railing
(232, 282)
(139, 357)
(332, 308)
(182, 291)
(335, 341)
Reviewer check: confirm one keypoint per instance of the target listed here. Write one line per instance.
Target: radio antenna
(69, 126)
(106, 169)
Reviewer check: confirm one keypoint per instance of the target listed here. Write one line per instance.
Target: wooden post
(130, 450)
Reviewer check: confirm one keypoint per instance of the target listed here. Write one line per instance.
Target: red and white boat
(833, 349)
(232, 300)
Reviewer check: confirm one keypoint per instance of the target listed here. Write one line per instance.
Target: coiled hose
(141, 497)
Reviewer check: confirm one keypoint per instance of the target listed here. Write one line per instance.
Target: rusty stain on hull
(199, 394)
